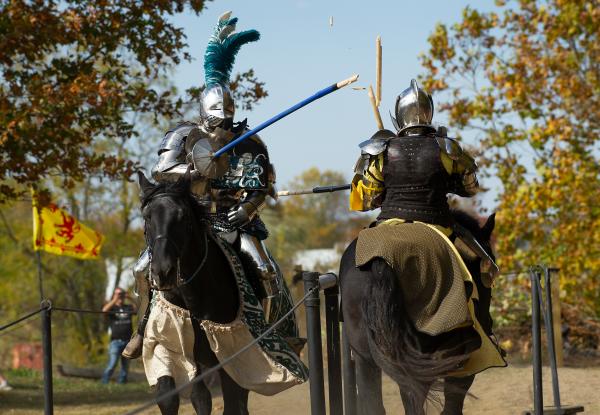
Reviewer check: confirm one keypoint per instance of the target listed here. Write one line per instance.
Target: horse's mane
(180, 190)
(162, 188)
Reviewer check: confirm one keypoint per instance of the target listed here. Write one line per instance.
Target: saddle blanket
(268, 367)
(435, 295)
(169, 344)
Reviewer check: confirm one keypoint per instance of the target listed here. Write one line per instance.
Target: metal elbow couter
(470, 183)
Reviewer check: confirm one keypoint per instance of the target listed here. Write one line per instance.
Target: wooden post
(375, 109)
(556, 318)
(378, 72)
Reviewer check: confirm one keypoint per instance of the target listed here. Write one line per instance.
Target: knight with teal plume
(232, 188)
(217, 107)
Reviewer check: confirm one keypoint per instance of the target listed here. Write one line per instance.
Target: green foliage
(311, 221)
(71, 395)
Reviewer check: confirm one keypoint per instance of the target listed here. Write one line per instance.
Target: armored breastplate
(416, 182)
(248, 167)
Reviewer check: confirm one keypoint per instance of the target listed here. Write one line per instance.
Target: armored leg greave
(266, 270)
(142, 287)
(133, 350)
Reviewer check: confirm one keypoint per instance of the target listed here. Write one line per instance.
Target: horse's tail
(394, 341)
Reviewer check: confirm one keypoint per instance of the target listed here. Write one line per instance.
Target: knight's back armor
(409, 176)
(416, 181)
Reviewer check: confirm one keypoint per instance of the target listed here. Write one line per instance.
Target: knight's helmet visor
(216, 106)
(414, 108)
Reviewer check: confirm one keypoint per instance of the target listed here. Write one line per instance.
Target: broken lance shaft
(320, 189)
(314, 97)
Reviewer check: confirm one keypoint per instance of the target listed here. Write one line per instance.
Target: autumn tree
(526, 78)
(75, 72)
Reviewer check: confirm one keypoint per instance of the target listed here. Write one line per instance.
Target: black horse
(191, 270)
(383, 338)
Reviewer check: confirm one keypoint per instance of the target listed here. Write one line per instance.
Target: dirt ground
(498, 391)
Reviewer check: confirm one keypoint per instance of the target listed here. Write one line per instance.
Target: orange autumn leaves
(75, 76)
(526, 78)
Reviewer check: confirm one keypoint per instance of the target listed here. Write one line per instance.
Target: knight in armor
(233, 188)
(408, 174)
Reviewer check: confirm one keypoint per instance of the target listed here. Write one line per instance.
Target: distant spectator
(119, 321)
(4, 386)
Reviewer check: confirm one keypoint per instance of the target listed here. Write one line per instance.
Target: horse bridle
(179, 279)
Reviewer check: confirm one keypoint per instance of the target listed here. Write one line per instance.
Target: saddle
(429, 272)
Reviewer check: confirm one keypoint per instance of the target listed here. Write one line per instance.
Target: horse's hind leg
(368, 384)
(201, 398)
(235, 398)
(455, 390)
(414, 403)
(168, 406)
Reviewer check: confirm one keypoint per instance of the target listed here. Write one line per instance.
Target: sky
(300, 53)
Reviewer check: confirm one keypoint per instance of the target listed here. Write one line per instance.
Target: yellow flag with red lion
(57, 232)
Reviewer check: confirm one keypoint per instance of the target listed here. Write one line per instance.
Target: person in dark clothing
(119, 321)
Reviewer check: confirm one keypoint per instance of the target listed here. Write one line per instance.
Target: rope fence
(20, 319)
(16, 327)
(82, 311)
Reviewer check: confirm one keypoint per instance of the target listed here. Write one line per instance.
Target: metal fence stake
(334, 358)
(47, 350)
(315, 353)
(538, 400)
(550, 337)
(349, 377)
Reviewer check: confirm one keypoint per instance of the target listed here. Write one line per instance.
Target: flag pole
(38, 255)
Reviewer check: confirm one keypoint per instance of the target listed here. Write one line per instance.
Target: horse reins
(180, 280)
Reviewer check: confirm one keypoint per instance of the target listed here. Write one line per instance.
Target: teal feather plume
(222, 48)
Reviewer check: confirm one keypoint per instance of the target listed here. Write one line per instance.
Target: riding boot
(134, 348)
(141, 270)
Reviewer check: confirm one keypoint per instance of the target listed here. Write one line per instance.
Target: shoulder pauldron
(450, 147)
(377, 143)
(175, 139)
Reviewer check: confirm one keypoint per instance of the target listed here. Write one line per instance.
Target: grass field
(71, 396)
